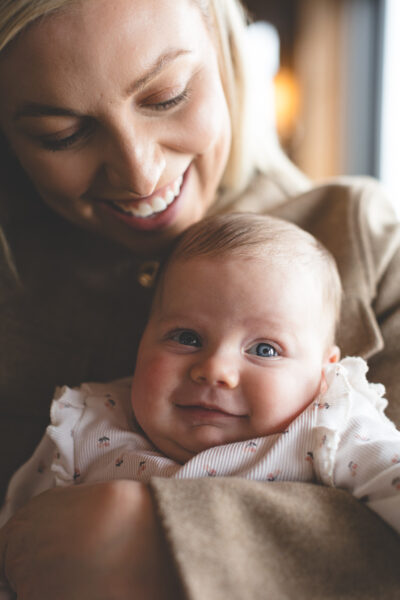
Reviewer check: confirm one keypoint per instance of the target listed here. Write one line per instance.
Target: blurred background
(335, 84)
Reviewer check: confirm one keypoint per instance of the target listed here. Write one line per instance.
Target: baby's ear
(333, 354)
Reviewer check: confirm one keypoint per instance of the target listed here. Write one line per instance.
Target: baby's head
(242, 324)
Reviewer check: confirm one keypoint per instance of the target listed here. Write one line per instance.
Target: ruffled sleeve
(66, 411)
(356, 447)
(52, 463)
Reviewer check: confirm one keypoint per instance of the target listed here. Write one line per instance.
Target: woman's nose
(215, 371)
(134, 163)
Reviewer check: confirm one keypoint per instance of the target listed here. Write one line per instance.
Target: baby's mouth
(153, 205)
(210, 410)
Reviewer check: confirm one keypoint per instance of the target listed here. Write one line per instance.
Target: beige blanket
(249, 541)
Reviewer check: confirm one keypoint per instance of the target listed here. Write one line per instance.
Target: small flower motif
(110, 402)
(273, 476)
(64, 404)
(396, 483)
(142, 466)
(119, 461)
(251, 446)
(77, 474)
(396, 459)
(210, 471)
(310, 457)
(362, 438)
(353, 468)
(103, 442)
(322, 405)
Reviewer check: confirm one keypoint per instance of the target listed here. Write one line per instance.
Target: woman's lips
(151, 213)
(153, 204)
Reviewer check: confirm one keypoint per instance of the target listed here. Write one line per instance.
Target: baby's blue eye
(263, 349)
(187, 338)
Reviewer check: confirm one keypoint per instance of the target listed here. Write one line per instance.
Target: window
(389, 160)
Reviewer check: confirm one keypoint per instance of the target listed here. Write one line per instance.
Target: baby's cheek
(157, 373)
(150, 382)
(150, 396)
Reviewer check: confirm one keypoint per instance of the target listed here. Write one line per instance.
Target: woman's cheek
(205, 120)
(59, 175)
(209, 128)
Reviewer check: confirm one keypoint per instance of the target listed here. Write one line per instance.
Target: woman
(133, 119)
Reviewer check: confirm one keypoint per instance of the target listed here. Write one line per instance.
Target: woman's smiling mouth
(152, 205)
(151, 213)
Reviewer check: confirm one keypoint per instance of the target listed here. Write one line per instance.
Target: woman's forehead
(73, 18)
(97, 37)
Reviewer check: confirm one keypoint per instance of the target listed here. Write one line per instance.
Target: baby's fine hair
(253, 235)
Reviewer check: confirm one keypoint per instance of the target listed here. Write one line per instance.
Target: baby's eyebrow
(173, 320)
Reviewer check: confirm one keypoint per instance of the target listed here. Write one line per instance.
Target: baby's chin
(171, 449)
(182, 451)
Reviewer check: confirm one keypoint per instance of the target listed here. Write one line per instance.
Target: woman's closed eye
(263, 349)
(169, 103)
(59, 142)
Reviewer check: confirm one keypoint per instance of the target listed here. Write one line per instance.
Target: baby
(237, 374)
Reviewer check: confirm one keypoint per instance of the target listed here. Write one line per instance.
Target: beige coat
(72, 311)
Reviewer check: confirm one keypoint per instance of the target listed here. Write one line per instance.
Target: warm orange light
(287, 102)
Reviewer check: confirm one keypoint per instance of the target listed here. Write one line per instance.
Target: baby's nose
(215, 371)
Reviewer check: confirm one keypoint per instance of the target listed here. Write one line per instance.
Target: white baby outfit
(342, 439)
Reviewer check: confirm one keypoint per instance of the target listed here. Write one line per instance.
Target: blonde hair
(227, 20)
(16, 15)
(252, 235)
(254, 146)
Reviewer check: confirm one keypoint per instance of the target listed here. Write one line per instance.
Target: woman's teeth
(152, 206)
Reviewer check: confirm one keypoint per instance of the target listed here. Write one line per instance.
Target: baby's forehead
(259, 270)
(289, 262)
(273, 307)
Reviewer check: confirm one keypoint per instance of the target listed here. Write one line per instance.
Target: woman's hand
(96, 542)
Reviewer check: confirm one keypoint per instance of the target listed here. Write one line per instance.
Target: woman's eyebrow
(35, 109)
(155, 69)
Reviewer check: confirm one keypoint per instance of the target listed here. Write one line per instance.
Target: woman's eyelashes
(169, 102)
(56, 144)
(263, 350)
